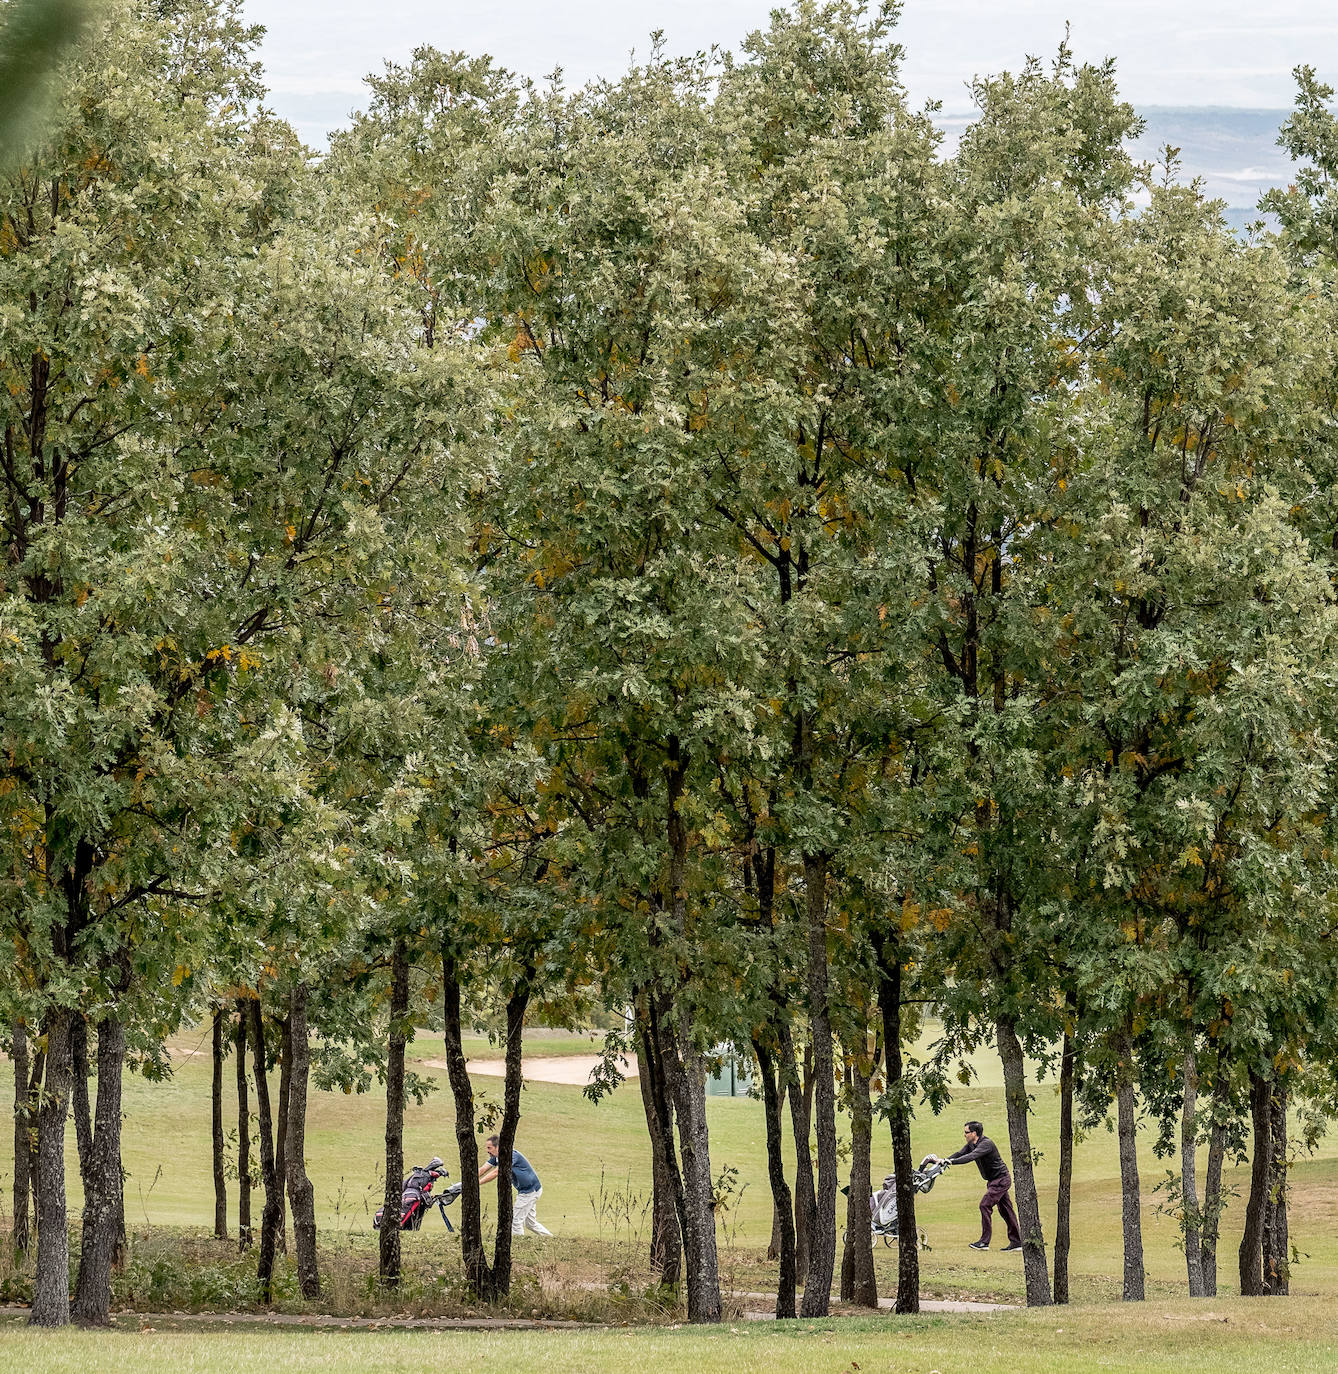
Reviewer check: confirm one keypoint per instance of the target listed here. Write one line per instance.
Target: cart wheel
(887, 1240)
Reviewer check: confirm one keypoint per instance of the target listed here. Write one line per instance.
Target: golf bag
(416, 1199)
(883, 1203)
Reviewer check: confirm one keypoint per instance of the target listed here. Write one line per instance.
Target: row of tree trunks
(1131, 1206)
(19, 1233)
(389, 1259)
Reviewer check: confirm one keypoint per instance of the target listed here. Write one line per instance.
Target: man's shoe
(979, 1245)
(1010, 1249)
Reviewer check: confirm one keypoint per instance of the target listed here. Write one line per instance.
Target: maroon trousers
(996, 1195)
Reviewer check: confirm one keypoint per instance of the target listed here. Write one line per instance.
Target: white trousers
(523, 1214)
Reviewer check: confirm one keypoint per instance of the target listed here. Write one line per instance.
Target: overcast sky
(1170, 52)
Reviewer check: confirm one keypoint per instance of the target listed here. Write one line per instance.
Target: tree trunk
(899, 1123)
(23, 1142)
(782, 1202)
(653, 1073)
(243, 1134)
(216, 1124)
(800, 1088)
(666, 1239)
(1251, 1242)
(301, 1194)
(102, 1199)
(1212, 1188)
(1131, 1203)
(477, 1271)
(687, 1083)
(1189, 1188)
(269, 1214)
(822, 1243)
(1034, 1269)
(863, 1285)
(281, 1125)
(390, 1215)
(1276, 1240)
(79, 1103)
(1064, 1209)
(51, 1288)
(512, 1082)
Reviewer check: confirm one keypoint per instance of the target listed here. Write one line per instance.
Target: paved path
(884, 1305)
(571, 1069)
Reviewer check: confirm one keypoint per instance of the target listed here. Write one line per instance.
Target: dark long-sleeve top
(986, 1157)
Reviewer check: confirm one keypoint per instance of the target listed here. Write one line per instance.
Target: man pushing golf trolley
(979, 1150)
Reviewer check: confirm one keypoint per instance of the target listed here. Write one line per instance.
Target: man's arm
(968, 1154)
(487, 1172)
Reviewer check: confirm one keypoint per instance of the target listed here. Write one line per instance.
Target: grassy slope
(1203, 1339)
(572, 1143)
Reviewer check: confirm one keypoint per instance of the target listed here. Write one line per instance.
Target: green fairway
(585, 1152)
(1233, 1335)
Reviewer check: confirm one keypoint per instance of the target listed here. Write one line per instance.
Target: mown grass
(1233, 1334)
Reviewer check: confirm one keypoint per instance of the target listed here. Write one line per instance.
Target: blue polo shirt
(523, 1177)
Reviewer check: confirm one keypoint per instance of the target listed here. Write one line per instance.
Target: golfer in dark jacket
(984, 1153)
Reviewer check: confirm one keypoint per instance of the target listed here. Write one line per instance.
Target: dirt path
(574, 1070)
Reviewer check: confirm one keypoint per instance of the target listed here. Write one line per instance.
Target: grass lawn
(1232, 1334)
(594, 1161)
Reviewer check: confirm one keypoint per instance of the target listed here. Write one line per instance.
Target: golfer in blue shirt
(527, 1186)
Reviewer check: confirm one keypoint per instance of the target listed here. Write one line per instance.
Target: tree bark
(1251, 1241)
(269, 1178)
(19, 1237)
(281, 1125)
(652, 1056)
(477, 1271)
(666, 1239)
(1035, 1271)
(899, 1123)
(800, 1086)
(79, 1103)
(390, 1214)
(103, 1212)
(1212, 1188)
(822, 1242)
(1131, 1205)
(782, 1201)
(512, 1082)
(1189, 1189)
(863, 1284)
(1276, 1239)
(686, 1072)
(51, 1288)
(300, 1192)
(216, 1126)
(243, 1133)
(1064, 1209)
